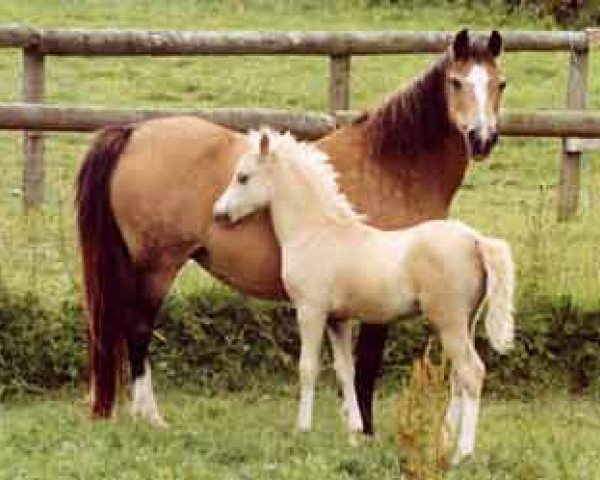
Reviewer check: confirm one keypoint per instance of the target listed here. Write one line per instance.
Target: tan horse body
(145, 196)
(166, 214)
(334, 264)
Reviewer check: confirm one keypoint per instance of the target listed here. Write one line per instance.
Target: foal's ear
(264, 144)
(461, 45)
(495, 43)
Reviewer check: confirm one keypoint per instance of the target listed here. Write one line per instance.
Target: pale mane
(314, 167)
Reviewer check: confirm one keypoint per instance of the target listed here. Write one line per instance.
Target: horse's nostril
(475, 142)
(472, 136)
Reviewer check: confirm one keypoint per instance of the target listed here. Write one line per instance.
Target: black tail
(108, 272)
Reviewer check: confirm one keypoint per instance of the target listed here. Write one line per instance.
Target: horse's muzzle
(479, 147)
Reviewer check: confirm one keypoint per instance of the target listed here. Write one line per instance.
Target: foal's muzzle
(480, 146)
(221, 217)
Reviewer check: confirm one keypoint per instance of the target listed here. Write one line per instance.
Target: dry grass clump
(422, 439)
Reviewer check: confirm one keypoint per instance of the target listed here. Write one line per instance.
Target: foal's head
(474, 87)
(251, 187)
(280, 165)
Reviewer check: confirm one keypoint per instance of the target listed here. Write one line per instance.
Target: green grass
(251, 435)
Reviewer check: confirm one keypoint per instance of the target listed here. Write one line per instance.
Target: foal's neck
(299, 206)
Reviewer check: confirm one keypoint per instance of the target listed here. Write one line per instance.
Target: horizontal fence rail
(141, 42)
(551, 123)
(19, 116)
(307, 125)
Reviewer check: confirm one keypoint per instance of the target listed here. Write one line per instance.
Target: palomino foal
(334, 264)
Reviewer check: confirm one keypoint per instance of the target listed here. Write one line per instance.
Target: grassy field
(250, 436)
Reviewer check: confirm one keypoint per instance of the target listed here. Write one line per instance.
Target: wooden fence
(36, 44)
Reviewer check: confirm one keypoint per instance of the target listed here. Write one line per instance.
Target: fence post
(33, 142)
(570, 166)
(339, 83)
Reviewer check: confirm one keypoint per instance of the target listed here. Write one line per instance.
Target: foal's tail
(108, 272)
(500, 270)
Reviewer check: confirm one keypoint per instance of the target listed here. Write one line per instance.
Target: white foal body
(335, 265)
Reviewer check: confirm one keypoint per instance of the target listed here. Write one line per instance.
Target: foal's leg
(150, 290)
(469, 371)
(453, 414)
(340, 336)
(311, 322)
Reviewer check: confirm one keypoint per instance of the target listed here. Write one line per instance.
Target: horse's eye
(242, 178)
(502, 85)
(455, 82)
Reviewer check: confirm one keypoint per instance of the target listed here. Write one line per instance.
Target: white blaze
(479, 78)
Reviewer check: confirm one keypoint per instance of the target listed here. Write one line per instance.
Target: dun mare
(336, 266)
(145, 193)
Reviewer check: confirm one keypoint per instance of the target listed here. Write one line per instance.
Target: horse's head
(474, 86)
(250, 188)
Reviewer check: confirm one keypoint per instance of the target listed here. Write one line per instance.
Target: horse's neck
(296, 208)
(396, 190)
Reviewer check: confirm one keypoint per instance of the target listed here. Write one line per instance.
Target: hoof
(159, 423)
(152, 417)
(368, 438)
(303, 428)
(355, 438)
(459, 458)
(355, 425)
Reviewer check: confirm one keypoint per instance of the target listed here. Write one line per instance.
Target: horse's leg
(472, 383)
(340, 336)
(151, 288)
(369, 354)
(311, 322)
(453, 413)
(469, 371)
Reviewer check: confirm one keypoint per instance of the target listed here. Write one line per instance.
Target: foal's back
(445, 264)
(380, 275)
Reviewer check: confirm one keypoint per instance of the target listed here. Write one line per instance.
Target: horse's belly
(376, 310)
(374, 297)
(245, 256)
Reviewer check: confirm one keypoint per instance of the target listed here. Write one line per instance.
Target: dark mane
(414, 120)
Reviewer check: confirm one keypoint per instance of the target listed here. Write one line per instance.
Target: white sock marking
(468, 425)
(144, 403)
(305, 408)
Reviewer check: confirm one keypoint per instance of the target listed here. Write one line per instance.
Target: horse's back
(447, 241)
(162, 193)
(168, 176)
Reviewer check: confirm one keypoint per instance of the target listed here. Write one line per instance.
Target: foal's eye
(242, 178)
(455, 82)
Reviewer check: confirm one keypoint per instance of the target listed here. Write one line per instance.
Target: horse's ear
(495, 43)
(264, 144)
(461, 45)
